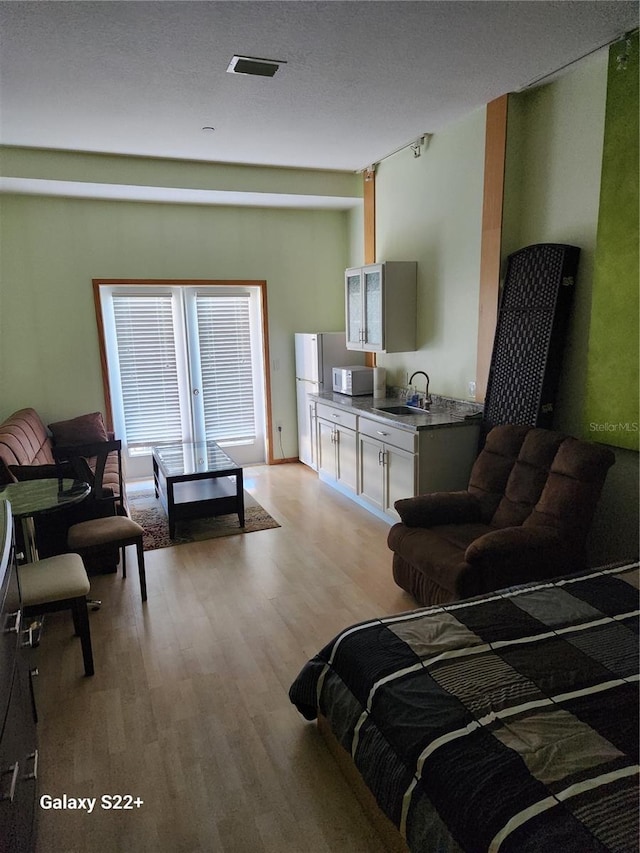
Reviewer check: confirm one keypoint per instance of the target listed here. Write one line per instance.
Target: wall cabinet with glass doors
(381, 304)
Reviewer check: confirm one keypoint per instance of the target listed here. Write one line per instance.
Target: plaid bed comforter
(502, 723)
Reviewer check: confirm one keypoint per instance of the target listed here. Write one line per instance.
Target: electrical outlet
(279, 427)
(472, 389)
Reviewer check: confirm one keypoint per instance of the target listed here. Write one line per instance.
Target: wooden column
(370, 216)
(494, 160)
(369, 178)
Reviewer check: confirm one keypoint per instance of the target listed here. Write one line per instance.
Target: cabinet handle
(15, 628)
(380, 432)
(335, 416)
(380, 457)
(34, 773)
(14, 769)
(32, 635)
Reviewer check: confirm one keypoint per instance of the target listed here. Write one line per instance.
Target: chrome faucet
(427, 396)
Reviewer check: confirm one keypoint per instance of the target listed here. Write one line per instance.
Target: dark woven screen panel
(531, 330)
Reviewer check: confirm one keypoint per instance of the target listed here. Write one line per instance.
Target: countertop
(444, 411)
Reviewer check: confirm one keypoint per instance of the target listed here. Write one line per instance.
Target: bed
(507, 722)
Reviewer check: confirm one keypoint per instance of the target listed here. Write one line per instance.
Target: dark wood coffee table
(197, 480)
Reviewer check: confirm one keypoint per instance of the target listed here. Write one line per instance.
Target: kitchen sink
(403, 409)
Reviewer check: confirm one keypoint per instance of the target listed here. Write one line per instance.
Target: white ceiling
(362, 78)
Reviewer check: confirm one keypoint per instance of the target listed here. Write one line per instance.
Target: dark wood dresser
(18, 744)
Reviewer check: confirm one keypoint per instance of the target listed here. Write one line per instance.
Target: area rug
(147, 510)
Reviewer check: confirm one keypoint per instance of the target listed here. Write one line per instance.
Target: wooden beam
(369, 178)
(370, 216)
(494, 160)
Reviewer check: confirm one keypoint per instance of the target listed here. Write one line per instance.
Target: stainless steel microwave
(354, 380)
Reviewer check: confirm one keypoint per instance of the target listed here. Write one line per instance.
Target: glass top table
(35, 497)
(197, 480)
(29, 498)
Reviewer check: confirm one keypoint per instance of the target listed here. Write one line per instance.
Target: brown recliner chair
(525, 516)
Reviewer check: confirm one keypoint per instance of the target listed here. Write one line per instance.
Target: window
(147, 369)
(185, 363)
(225, 365)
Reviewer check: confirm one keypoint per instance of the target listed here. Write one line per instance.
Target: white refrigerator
(316, 354)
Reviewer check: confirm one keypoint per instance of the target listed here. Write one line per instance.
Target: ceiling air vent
(254, 66)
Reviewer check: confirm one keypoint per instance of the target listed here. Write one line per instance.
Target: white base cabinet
(386, 473)
(388, 464)
(337, 447)
(377, 464)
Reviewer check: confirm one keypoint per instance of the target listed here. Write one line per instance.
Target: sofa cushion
(575, 477)
(438, 508)
(528, 477)
(492, 468)
(85, 429)
(24, 440)
(437, 552)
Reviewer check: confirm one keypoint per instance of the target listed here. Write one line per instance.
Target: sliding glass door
(185, 364)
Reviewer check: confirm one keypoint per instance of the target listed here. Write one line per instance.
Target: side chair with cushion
(59, 583)
(525, 516)
(90, 537)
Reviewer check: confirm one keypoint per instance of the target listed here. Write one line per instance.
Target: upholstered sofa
(525, 516)
(27, 451)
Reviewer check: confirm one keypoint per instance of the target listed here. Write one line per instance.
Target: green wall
(115, 170)
(552, 194)
(552, 191)
(429, 210)
(51, 248)
(612, 375)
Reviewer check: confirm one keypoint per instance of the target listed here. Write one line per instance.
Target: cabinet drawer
(389, 435)
(337, 416)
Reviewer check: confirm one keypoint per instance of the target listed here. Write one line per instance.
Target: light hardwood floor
(189, 706)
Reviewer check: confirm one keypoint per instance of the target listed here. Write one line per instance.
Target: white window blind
(148, 368)
(224, 333)
(177, 388)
